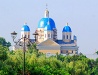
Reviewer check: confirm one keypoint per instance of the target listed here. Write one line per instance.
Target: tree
(39, 64)
(3, 52)
(4, 43)
(97, 52)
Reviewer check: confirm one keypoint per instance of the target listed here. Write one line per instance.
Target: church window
(25, 36)
(72, 51)
(28, 36)
(51, 35)
(45, 35)
(48, 35)
(66, 51)
(67, 36)
(61, 51)
(63, 36)
(70, 36)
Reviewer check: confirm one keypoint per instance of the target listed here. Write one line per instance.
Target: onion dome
(74, 37)
(67, 29)
(25, 27)
(43, 22)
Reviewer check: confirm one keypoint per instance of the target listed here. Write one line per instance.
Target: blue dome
(25, 28)
(48, 27)
(67, 29)
(43, 22)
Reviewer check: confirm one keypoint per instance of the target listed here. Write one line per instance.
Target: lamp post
(35, 36)
(14, 34)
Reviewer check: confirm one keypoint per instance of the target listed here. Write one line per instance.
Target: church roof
(48, 28)
(48, 42)
(44, 22)
(62, 42)
(25, 27)
(67, 28)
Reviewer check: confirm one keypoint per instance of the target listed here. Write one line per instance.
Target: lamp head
(14, 35)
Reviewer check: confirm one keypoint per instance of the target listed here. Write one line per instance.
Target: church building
(47, 41)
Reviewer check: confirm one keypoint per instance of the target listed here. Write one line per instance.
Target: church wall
(50, 51)
(75, 42)
(68, 52)
(65, 38)
(40, 37)
(54, 34)
(46, 33)
(27, 34)
(68, 44)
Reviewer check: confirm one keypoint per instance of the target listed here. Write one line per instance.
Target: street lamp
(14, 35)
(35, 36)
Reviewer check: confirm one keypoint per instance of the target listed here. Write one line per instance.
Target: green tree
(3, 52)
(38, 64)
(4, 43)
(97, 52)
(32, 48)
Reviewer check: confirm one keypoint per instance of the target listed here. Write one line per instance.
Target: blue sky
(82, 16)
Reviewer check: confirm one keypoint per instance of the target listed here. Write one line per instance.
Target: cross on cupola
(46, 5)
(46, 12)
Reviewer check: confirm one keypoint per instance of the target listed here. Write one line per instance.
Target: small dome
(48, 27)
(43, 22)
(67, 29)
(25, 27)
(74, 37)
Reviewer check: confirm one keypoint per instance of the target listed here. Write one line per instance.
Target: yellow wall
(50, 51)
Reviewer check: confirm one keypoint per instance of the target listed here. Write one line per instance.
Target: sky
(82, 16)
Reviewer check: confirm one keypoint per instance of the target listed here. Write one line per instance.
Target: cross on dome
(46, 5)
(46, 12)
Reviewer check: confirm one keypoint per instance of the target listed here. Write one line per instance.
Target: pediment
(48, 42)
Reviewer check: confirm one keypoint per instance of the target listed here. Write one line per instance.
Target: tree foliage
(4, 43)
(3, 52)
(11, 63)
(96, 52)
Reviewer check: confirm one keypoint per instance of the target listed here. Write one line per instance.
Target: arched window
(28, 36)
(48, 35)
(25, 35)
(51, 36)
(70, 36)
(63, 36)
(72, 51)
(67, 36)
(67, 51)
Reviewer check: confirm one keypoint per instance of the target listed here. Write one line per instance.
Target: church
(47, 41)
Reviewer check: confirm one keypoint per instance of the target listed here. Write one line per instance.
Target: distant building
(46, 39)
